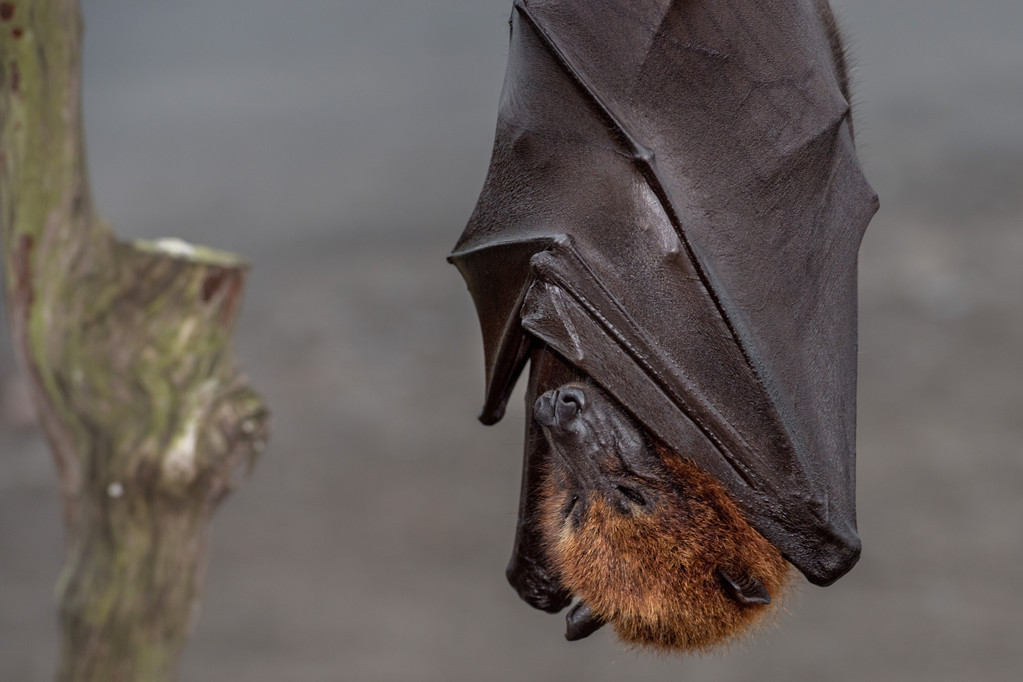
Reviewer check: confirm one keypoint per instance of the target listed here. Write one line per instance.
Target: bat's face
(645, 541)
(600, 452)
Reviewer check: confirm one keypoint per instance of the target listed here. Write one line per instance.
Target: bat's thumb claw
(581, 622)
(752, 591)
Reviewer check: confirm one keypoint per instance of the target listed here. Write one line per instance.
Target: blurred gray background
(341, 147)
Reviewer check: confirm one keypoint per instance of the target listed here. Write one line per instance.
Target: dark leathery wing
(674, 208)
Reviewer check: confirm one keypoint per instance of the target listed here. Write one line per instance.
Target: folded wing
(674, 206)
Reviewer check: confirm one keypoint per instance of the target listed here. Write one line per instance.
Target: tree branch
(128, 346)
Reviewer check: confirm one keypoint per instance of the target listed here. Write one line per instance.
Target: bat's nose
(559, 406)
(543, 408)
(568, 402)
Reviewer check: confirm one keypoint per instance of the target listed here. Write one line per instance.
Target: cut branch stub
(146, 388)
(142, 353)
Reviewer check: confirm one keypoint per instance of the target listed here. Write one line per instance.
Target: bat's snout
(559, 406)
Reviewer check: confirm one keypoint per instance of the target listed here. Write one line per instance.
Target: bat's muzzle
(559, 406)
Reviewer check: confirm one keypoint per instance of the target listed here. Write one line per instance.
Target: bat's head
(644, 539)
(600, 451)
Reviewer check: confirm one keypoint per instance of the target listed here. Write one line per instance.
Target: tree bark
(128, 347)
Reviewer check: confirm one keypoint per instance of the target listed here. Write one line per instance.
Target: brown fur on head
(651, 544)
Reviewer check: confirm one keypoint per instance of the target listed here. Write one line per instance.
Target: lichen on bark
(128, 347)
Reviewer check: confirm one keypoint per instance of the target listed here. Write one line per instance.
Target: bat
(668, 237)
(643, 538)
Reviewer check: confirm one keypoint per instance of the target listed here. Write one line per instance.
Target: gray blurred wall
(341, 146)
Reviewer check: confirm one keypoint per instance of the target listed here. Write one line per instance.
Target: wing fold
(711, 291)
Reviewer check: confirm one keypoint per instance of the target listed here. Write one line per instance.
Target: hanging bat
(668, 235)
(645, 539)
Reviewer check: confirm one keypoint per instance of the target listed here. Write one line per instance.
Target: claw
(580, 622)
(753, 592)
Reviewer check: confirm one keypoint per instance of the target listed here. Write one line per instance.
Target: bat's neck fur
(654, 574)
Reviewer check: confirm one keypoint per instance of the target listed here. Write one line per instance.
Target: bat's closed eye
(632, 495)
(570, 506)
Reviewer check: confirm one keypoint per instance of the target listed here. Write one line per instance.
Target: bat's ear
(750, 591)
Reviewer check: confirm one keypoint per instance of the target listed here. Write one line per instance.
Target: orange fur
(652, 574)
